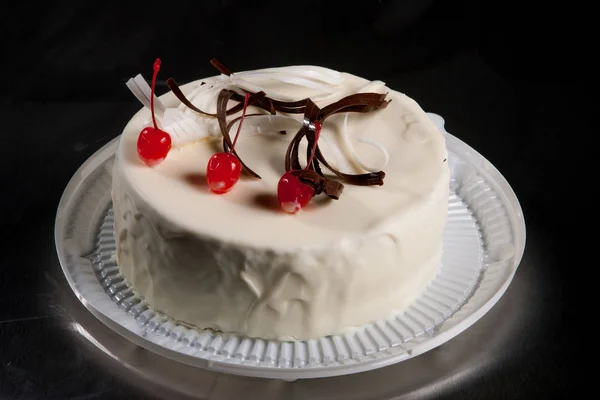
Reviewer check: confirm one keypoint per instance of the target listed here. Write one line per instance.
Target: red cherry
(222, 172)
(224, 169)
(153, 144)
(293, 195)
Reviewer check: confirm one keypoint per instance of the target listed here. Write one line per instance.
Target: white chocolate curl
(346, 138)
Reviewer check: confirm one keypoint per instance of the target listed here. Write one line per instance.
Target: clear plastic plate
(483, 241)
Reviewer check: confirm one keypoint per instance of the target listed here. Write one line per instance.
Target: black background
(516, 81)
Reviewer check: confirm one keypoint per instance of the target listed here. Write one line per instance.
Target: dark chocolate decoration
(313, 174)
(218, 65)
(179, 94)
(237, 108)
(361, 102)
(319, 183)
(266, 103)
(222, 100)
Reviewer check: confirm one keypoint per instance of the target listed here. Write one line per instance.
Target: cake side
(271, 293)
(234, 264)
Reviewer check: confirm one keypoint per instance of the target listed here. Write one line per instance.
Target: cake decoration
(293, 194)
(360, 102)
(297, 186)
(153, 144)
(224, 169)
(224, 127)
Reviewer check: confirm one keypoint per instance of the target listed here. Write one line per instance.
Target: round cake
(240, 261)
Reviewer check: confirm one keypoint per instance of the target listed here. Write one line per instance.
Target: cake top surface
(400, 139)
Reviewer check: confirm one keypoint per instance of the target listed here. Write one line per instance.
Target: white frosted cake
(236, 262)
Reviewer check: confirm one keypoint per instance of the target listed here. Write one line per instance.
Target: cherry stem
(156, 68)
(237, 134)
(314, 147)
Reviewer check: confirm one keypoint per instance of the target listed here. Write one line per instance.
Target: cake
(360, 250)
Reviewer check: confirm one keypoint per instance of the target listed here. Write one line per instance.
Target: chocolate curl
(368, 179)
(312, 176)
(179, 94)
(292, 107)
(264, 102)
(315, 179)
(292, 160)
(311, 114)
(361, 102)
(237, 108)
(219, 66)
(222, 100)
(319, 183)
(228, 129)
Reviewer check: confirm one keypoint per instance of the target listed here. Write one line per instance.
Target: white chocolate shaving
(142, 91)
(371, 86)
(183, 127)
(310, 72)
(355, 157)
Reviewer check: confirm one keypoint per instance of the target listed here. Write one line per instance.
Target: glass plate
(483, 241)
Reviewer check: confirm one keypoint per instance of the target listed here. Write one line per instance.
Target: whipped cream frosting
(236, 262)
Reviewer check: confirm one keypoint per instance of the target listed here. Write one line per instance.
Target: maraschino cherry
(153, 144)
(294, 195)
(224, 169)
